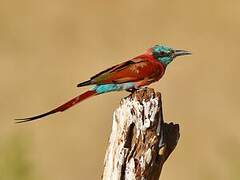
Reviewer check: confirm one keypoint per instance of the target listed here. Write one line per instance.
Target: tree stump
(140, 141)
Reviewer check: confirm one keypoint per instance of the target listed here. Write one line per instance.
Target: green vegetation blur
(47, 47)
(14, 164)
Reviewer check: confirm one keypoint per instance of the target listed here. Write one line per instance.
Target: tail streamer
(61, 108)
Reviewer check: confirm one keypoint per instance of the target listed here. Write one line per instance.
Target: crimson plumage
(129, 75)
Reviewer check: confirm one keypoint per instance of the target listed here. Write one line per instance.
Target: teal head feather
(166, 54)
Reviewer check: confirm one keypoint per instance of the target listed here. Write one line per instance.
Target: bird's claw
(131, 90)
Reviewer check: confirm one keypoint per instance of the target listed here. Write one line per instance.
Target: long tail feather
(61, 108)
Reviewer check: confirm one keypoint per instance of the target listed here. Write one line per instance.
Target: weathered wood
(140, 141)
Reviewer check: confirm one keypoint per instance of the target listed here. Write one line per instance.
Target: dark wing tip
(85, 83)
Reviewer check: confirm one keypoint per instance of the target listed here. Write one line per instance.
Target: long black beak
(181, 53)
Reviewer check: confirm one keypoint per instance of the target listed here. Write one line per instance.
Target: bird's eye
(162, 54)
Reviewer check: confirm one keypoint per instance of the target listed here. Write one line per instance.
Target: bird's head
(166, 54)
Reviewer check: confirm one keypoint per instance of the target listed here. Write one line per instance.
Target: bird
(130, 75)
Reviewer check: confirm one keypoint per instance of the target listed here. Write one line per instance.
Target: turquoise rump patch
(112, 87)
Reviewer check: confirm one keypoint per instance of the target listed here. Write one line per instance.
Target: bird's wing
(130, 71)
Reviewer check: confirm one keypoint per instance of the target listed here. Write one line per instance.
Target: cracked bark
(140, 141)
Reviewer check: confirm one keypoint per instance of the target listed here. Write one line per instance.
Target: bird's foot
(132, 90)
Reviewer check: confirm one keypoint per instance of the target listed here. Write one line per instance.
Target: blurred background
(48, 46)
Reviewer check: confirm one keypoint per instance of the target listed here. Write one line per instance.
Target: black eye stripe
(162, 54)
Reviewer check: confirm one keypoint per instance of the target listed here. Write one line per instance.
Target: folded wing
(133, 70)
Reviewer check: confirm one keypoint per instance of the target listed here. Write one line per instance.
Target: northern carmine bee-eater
(130, 75)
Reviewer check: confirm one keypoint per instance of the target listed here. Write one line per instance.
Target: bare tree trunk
(140, 141)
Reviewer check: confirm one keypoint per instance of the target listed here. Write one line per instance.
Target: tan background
(48, 46)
